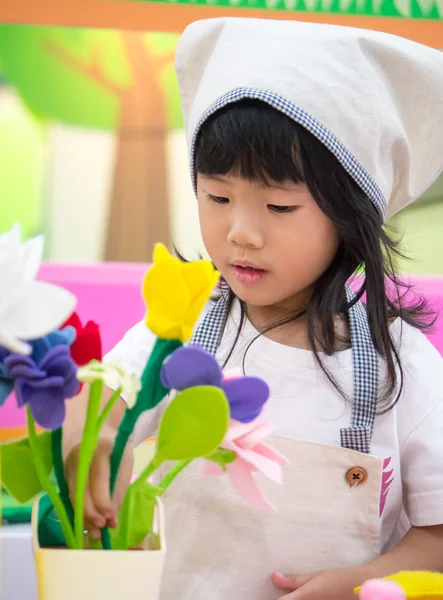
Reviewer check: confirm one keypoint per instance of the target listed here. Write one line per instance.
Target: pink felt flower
(381, 589)
(252, 456)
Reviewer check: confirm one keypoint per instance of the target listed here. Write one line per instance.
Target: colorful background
(90, 128)
(93, 155)
(91, 134)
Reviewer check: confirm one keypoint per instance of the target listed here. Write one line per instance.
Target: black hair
(254, 141)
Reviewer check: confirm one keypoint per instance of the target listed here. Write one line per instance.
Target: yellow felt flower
(175, 294)
(419, 585)
(416, 585)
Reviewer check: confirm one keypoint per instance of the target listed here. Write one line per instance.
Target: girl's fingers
(99, 475)
(95, 534)
(93, 518)
(99, 509)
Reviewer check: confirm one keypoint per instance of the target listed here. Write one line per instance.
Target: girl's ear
(380, 589)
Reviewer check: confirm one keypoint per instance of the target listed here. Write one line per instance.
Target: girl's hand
(100, 509)
(338, 584)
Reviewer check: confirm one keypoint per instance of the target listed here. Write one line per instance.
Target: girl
(303, 139)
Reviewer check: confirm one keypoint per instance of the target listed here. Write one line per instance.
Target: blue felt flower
(6, 378)
(63, 337)
(192, 366)
(40, 347)
(46, 385)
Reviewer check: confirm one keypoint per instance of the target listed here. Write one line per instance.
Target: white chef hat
(375, 100)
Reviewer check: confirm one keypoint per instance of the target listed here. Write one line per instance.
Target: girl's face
(269, 243)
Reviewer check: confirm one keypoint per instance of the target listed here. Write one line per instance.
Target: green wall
(422, 228)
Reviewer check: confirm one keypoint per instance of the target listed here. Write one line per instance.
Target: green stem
(87, 447)
(153, 465)
(172, 474)
(59, 469)
(151, 394)
(109, 406)
(46, 482)
(124, 433)
(106, 539)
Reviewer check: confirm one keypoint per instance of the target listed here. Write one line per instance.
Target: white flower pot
(64, 574)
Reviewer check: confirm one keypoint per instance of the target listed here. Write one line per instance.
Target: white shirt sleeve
(134, 349)
(420, 425)
(133, 352)
(422, 471)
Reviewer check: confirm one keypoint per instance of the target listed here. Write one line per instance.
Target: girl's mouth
(247, 275)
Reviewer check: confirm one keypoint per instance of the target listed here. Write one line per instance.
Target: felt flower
(379, 589)
(406, 585)
(114, 376)
(39, 348)
(59, 337)
(193, 366)
(44, 386)
(6, 377)
(29, 309)
(252, 456)
(87, 345)
(175, 293)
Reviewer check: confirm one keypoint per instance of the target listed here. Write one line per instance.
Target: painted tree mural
(110, 80)
(21, 143)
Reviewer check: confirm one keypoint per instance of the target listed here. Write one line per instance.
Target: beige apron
(220, 548)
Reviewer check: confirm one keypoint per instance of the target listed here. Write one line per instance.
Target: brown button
(356, 476)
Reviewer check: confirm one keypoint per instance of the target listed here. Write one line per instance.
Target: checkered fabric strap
(366, 367)
(209, 333)
(301, 116)
(366, 379)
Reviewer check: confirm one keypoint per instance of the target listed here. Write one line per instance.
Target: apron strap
(210, 330)
(366, 378)
(365, 359)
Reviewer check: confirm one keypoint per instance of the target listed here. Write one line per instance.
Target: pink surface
(109, 294)
(432, 289)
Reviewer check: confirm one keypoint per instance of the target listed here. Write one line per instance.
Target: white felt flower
(97, 371)
(114, 376)
(29, 309)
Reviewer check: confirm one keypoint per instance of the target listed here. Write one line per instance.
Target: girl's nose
(244, 232)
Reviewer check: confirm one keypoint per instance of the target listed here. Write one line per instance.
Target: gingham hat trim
(365, 359)
(322, 133)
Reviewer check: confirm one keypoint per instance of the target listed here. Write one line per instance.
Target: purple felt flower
(192, 366)
(46, 385)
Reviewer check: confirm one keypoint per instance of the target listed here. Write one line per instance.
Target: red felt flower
(87, 345)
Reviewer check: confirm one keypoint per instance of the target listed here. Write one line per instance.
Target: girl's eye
(281, 209)
(218, 199)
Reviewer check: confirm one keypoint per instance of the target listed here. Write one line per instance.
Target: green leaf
(222, 457)
(136, 516)
(194, 424)
(18, 473)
